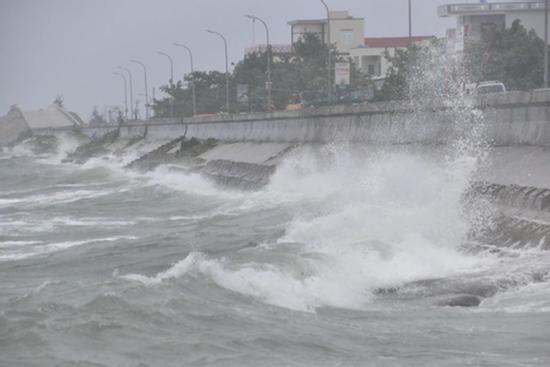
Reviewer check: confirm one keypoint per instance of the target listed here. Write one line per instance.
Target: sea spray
(367, 217)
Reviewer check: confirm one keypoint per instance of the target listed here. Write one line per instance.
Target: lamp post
(125, 93)
(132, 112)
(171, 79)
(193, 92)
(146, 88)
(226, 68)
(546, 44)
(410, 22)
(269, 84)
(329, 61)
(171, 65)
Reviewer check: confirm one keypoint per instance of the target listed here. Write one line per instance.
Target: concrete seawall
(510, 118)
(247, 149)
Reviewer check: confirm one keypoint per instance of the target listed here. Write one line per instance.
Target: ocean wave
(41, 249)
(63, 197)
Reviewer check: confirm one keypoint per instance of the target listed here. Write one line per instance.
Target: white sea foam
(9, 244)
(66, 143)
(176, 271)
(370, 223)
(61, 197)
(532, 297)
(192, 183)
(90, 222)
(41, 249)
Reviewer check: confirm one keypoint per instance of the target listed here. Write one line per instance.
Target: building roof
(334, 15)
(490, 8)
(307, 21)
(393, 42)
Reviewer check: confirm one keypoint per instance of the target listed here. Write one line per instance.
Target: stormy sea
(349, 256)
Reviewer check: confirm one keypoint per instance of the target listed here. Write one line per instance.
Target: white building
(370, 57)
(472, 19)
(346, 32)
(18, 122)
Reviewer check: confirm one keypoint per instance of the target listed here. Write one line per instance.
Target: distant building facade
(370, 57)
(346, 31)
(473, 19)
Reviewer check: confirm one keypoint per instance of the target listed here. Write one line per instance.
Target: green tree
(303, 70)
(514, 56)
(402, 65)
(97, 119)
(59, 101)
(210, 92)
(252, 71)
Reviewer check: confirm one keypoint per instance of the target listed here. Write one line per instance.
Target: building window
(370, 70)
(346, 37)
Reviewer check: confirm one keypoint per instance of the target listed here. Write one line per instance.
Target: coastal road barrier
(508, 119)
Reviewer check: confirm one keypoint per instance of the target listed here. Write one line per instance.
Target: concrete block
(543, 200)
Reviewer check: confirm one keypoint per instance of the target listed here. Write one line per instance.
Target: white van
(490, 87)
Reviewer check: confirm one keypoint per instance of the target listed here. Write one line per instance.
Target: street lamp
(194, 95)
(125, 93)
(171, 65)
(171, 80)
(146, 94)
(329, 44)
(132, 112)
(269, 84)
(226, 68)
(546, 44)
(410, 23)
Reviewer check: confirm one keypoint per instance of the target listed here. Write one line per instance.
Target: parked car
(490, 87)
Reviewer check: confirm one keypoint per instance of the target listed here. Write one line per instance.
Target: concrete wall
(510, 118)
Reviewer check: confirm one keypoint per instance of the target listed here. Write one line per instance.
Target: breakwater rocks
(523, 219)
(526, 197)
(248, 176)
(244, 166)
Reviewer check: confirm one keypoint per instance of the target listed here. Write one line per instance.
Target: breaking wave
(364, 220)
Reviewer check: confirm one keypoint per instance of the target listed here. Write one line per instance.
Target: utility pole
(546, 44)
(132, 112)
(269, 83)
(193, 92)
(226, 69)
(146, 88)
(125, 93)
(329, 56)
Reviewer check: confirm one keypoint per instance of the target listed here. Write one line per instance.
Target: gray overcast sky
(71, 47)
